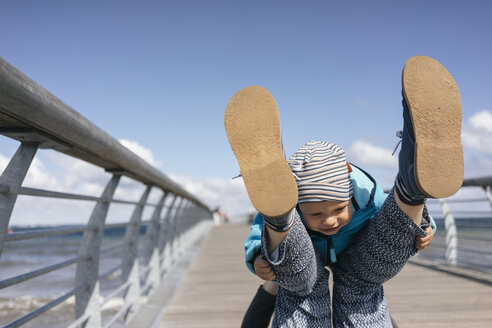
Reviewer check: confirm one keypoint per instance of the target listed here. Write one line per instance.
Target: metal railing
(36, 118)
(464, 234)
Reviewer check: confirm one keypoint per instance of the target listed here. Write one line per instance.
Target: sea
(27, 255)
(474, 238)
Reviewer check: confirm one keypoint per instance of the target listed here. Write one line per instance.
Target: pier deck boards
(217, 289)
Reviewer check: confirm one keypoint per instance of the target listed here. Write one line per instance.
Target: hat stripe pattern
(321, 172)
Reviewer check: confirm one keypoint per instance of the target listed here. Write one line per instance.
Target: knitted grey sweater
(377, 253)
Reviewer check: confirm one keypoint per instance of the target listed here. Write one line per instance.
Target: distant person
(225, 217)
(316, 194)
(217, 216)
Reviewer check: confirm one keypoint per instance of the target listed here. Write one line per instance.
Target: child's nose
(330, 221)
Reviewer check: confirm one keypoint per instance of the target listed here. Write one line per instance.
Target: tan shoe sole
(252, 125)
(435, 107)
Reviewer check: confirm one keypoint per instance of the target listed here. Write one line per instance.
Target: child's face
(327, 217)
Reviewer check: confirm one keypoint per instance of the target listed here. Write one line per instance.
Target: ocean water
(27, 255)
(474, 243)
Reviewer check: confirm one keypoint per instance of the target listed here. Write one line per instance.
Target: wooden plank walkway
(422, 297)
(217, 289)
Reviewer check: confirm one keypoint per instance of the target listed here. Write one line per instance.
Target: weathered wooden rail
(38, 119)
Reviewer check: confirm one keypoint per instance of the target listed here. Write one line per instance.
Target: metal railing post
(488, 192)
(129, 267)
(184, 227)
(192, 219)
(174, 229)
(164, 237)
(195, 221)
(181, 228)
(87, 272)
(199, 214)
(10, 184)
(187, 226)
(151, 256)
(451, 235)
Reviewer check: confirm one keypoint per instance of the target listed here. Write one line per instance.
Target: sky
(157, 75)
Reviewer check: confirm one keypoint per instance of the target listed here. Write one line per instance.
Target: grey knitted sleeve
(294, 261)
(381, 249)
(376, 255)
(303, 298)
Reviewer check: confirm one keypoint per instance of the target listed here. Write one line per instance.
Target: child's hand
(422, 242)
(263, 269)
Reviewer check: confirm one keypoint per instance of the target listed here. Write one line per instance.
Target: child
(430, 165)
(366, 199)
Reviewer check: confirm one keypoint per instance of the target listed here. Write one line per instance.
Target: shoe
(252, 125)
(431, 158)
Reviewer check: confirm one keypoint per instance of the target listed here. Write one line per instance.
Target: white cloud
(477, 132)
(141, 151)
(36, 176)
(77, 176)
(477, 142)
(4, 161)
(58, 172)
(481, 121)
(477, 165)
(228, 194)
(478, 207)
(367, 154)
(55, 171)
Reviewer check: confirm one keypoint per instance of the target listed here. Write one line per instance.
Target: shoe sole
(252, 125)
(435, 107)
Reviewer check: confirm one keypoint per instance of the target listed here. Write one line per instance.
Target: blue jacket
(367, 198)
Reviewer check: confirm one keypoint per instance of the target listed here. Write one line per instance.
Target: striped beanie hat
(321, 172)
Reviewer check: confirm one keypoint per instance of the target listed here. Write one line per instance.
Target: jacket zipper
(332, 256)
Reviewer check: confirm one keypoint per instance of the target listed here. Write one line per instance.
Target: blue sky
(160, 73)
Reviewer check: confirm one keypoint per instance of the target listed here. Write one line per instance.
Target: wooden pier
(217, 289)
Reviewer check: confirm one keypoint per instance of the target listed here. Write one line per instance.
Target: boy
(430, 165)
(366, 199)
